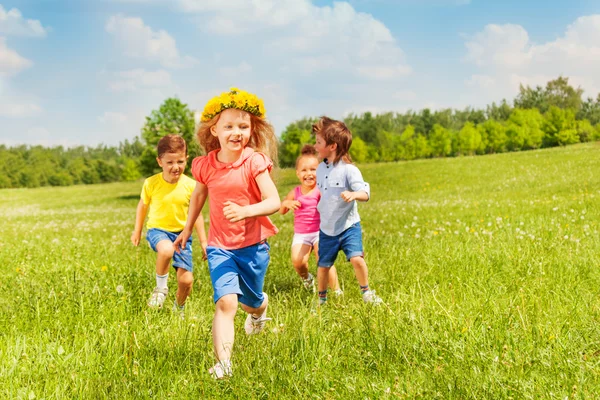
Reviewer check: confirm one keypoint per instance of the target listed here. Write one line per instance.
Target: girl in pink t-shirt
(235, 175)
(303, 201)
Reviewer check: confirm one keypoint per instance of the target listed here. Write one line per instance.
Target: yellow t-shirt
(169, 202)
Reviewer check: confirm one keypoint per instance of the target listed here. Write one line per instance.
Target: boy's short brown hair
(171, 144)
(333, 131)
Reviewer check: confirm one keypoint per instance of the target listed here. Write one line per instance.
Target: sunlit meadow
(489, 268)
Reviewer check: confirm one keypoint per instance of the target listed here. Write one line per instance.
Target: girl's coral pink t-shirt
(235, 182)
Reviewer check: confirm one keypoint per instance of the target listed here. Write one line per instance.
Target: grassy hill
(489, 267)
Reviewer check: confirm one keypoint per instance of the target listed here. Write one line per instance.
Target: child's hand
(348, 196)
(234, 212)
(179, 243)
(204, 245)
(135, 238)
(291, 204)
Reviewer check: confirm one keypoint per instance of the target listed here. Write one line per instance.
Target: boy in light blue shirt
(341, 185)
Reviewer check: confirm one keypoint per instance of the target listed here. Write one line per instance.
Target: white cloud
(507, 57)
(499, 45)
(237, 16)
(139, 79)
(305, 38)
(18, 110)
(13, 23)
(112, 118)
(483, 81)
(139, 41)
(10, 61)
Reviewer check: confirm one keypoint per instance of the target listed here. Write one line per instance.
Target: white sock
(161, 281)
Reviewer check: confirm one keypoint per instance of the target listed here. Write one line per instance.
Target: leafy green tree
(290, 145)
(422, 148)
(387, 146)
(557, 93)
(562, 95)
(590, 110)
(523, 130)
(468, 140)
(173, 117)
(559, 127)
(493, 137)
(440, 141)
(499, 112)
(596, 134)
(358, 150)
(408, 148)
(585, 130)
(130, 170)
(531, 98)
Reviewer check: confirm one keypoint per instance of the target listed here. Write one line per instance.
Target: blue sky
(75, 72)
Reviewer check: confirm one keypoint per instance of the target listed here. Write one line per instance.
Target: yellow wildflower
(235, 98)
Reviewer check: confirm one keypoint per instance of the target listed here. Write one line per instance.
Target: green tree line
(553, 115)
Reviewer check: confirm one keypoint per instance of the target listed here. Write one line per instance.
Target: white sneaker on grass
(254, 325)
(309, 282)
(157, 298)
(221, 370)
(370, 297)
(338, 292)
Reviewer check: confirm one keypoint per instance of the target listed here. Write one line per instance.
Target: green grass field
(489, 266)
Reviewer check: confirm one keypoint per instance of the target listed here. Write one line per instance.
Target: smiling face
(173, 165)
(306, 171)
(233, 130)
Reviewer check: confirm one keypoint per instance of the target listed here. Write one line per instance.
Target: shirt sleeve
(356, 181)
(146, 192)
(197, 167)
(260, 163)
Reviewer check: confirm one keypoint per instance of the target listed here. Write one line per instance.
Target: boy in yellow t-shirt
(167, 196)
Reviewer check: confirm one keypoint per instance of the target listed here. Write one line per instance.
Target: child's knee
(299, 262)
(186, 280)
(165, 251)
(227, 304)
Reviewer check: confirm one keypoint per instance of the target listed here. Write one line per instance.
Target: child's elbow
(275, 205)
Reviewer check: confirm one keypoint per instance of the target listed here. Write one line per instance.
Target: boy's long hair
(333, 131)
(308, 150)
(262, 137)
(171, 144)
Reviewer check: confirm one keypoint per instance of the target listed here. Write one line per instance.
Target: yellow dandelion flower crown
(235, 98)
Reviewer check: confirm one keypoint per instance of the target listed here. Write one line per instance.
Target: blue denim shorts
(180, 260)
(240, 271)
(349, 241)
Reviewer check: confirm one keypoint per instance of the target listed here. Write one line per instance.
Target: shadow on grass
(129, 197)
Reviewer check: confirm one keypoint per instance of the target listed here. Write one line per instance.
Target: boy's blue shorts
(349, 241)
(240, 271)
(180, 260)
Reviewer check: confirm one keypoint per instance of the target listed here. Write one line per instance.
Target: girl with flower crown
(235, 174)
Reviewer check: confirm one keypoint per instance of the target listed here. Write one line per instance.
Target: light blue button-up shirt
(332, 180)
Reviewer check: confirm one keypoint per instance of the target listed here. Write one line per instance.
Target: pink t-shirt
(307, 217)
(234, 182)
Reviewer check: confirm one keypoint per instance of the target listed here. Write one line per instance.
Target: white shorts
(309, 239)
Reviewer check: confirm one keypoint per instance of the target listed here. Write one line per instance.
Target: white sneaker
(338, 292)
(221, 370)
(254, 325)
(157, 298)
(370, 297)
(309, 283)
